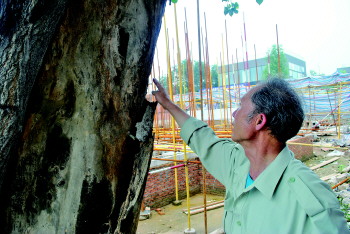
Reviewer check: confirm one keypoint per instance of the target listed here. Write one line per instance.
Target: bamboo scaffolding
(166, 133)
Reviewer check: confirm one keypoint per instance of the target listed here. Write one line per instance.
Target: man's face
(242, 128)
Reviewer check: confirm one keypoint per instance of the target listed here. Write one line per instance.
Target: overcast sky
(317, 31)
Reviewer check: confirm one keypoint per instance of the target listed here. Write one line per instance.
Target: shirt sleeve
(329, 221)
(215, 153)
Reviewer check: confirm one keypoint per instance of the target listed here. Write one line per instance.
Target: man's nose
(234, 113)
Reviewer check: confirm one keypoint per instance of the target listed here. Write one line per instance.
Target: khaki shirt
(287, 197)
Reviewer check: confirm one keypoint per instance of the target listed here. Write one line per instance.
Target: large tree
(277, 67)
(75, 129)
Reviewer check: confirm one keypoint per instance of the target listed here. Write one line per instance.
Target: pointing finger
(159, 86)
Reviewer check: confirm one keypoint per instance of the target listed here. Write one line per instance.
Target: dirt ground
(175, 221)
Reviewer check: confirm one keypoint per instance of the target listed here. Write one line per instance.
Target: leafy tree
(164, 81)
(214, 75)
(197, 76)
(176, 78)
(274, 71)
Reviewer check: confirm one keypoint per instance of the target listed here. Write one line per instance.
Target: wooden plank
(327, 177)
(192, 212)
(202, 206)
(324, 163)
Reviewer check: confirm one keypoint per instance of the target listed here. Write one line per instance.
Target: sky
(316, 31)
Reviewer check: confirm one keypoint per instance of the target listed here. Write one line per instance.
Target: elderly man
(267, 189)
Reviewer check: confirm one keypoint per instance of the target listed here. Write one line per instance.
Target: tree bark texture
(76, 130)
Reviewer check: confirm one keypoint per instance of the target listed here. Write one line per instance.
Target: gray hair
(282, 107)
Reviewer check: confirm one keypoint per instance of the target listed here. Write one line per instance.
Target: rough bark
(76, 131)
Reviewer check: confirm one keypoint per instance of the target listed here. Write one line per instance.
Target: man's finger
(159, 86)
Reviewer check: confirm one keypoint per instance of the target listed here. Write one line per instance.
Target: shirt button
(239, 223)
(291, 179)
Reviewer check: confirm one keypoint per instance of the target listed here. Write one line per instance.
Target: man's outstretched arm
(163, 99)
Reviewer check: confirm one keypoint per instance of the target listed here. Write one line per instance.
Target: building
(297, 69)
(342, 70)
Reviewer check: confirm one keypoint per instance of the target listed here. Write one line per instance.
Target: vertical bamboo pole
(339, 105)
(238, 78)
(200, 78)
(200, 60)
(244, 62)
(170, 87)
(209, 81)
(223, 77)
(228, 73)
(278, 52)
(205, 86)
(182, 106)
(189, 71)
(246, 49)
(206, 73)
(256, 65)
(310, 106)
(330, 105)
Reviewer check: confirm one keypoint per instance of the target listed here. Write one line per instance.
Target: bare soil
(175, 221)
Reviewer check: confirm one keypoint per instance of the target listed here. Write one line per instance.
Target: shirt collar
(268, 179)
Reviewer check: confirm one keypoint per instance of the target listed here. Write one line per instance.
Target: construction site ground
(172, 219)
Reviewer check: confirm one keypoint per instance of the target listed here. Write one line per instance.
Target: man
(267, 189)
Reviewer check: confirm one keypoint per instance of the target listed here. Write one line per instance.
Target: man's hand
(163, 99)
(161, 95)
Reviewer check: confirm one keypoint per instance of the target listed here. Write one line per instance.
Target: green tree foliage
(164, 82)
(214, 75)
(176, 79)
(197, 76)
(274, 71)
(231, 7)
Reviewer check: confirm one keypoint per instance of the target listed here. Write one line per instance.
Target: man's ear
(260, 121)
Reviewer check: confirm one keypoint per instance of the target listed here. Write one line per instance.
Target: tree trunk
(76, 130)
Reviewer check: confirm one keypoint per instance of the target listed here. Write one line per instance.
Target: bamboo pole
(256, 65)
(238, 78)
(177, 160)
(278, 52)
(339, 105)
(244, 63)
(223, 78)
(228, 73)
(330, 104)
(200, 60)
(246, 50)
(181, 105)
(209, 80)
(170, 87)
(340, 183)
(189, 71)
